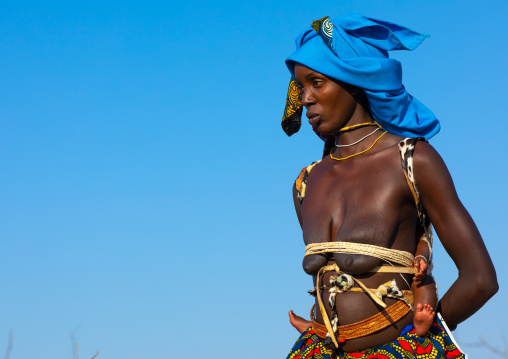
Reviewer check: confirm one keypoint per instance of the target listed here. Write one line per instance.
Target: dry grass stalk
(9, 345)
(76, 352)
(492, 348)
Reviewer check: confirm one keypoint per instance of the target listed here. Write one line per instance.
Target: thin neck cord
(360, 140)
(356, 154)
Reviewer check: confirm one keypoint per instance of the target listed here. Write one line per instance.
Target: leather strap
(390, 269)
(365, 327)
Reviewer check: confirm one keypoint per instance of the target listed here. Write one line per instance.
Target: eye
(317, 82)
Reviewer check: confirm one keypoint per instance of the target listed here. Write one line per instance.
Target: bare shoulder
(435, 185)
(429, 167)
(426, 156)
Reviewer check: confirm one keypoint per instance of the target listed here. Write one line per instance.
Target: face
(329, 105)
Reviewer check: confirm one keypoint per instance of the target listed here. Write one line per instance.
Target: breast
(350, 207)
(364, 228)
(355, 263)
(371, 231)
(313, 263)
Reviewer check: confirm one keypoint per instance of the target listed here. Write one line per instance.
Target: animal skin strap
(301, 181)
(406, 148)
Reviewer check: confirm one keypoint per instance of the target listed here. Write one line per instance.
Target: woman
(367, 205)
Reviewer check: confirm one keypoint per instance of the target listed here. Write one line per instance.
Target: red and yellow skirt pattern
(437, 344)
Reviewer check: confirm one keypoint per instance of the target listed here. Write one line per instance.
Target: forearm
(466, 296)
(477, 280)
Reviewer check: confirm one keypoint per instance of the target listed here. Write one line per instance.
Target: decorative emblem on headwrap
(292, 118)
(324, 28)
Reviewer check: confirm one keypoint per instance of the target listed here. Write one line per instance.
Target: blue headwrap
(354, 49)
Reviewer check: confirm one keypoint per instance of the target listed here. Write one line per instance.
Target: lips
(313, 118)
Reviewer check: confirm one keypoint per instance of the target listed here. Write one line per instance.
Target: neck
(360, 116)
(353, 132)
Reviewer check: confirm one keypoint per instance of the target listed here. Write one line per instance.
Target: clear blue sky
(145, 182)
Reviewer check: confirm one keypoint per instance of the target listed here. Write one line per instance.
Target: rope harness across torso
(344, 282)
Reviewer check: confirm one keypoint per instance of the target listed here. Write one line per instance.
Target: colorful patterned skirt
(437, 344)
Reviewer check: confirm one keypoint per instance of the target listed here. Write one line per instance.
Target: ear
(359, 96)
(356, 91)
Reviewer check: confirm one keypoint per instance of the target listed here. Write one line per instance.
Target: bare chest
(361, 203)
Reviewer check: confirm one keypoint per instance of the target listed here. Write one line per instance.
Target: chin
(325, 131)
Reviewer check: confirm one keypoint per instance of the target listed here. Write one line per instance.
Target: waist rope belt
(344, 282)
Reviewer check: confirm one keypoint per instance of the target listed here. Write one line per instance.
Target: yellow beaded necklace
(354, 127)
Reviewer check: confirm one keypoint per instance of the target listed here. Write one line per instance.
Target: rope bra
(400, 257)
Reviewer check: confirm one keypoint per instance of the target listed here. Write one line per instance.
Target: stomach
(352, 307)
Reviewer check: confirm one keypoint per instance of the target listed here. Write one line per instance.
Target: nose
(307, 98)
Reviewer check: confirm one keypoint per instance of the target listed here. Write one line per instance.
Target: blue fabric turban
(354, 49)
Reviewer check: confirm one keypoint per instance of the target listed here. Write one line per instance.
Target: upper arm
(453, 224)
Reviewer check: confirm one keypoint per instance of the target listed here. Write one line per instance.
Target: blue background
(145, 182)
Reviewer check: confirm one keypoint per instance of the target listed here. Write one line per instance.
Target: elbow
(485, 287)
(494, 287)
(491, 285)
